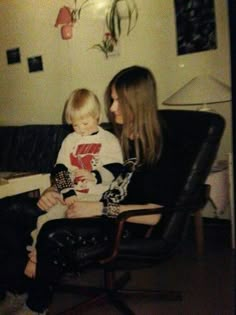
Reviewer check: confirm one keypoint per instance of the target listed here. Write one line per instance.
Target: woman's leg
(17, 218)
(65, 245)
(13, 258)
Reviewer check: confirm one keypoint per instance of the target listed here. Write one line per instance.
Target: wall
(39, 97)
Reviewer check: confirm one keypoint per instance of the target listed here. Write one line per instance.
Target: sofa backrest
(32, 148)
(35, 147)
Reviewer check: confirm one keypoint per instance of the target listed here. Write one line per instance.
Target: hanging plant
(75, 13)
(118, 11)
(67, 17)
(108, 44)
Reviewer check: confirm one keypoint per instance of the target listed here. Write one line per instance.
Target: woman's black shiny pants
(18, 217)
(66, 245)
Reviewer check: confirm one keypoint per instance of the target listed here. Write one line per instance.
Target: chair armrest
(120, 221)
(124, 216)
(197, 202)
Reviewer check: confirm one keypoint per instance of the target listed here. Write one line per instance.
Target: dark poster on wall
(195, 26)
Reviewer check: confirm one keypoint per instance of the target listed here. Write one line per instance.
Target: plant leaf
(81, 7)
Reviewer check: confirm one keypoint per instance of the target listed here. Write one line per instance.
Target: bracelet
(111, 210)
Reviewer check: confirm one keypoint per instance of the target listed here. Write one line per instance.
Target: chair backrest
(191, 141)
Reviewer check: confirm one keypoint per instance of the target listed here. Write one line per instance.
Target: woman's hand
(49, 198)
(84, 209)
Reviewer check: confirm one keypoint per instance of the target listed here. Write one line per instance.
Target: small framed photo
(35, 64)
(13, 56)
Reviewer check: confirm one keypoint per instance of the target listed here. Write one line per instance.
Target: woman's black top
(159, 183)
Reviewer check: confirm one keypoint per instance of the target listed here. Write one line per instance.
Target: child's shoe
(25, 310)
(12, 303)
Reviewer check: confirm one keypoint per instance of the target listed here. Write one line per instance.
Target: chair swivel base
(112, 295)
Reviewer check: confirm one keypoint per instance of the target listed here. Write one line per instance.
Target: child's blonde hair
(85, 103)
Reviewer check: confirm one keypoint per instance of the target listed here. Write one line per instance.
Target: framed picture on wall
(13, 56)
(195, 26)
(35, 64)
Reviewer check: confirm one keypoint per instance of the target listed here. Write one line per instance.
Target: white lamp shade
(203, 89)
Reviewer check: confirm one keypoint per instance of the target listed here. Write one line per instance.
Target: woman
(132, 104)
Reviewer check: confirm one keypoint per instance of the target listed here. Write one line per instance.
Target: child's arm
(111, 159)
(63, 182)
(85, 175)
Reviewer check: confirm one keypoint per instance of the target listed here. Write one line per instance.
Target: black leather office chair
(191, 142)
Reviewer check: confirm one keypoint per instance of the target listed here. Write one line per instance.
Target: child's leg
(56, 212)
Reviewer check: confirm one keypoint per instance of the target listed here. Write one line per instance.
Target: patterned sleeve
(61, 178)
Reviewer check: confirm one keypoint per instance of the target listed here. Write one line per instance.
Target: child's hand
(71, 200)
(85, 175)
(30, 269)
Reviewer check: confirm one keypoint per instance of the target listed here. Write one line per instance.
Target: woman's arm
(85, 209)
(151, 219)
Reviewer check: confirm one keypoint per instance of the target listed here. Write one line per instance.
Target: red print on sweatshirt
(85, 157)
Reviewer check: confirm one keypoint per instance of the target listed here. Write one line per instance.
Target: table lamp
(202, 90)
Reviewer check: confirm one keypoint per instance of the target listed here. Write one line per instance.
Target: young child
(88, 161)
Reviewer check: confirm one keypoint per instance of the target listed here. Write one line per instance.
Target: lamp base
(205, 108)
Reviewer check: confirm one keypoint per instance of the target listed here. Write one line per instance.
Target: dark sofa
(28, 148)
(32, 148)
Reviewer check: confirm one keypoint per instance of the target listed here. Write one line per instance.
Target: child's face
(84, 126)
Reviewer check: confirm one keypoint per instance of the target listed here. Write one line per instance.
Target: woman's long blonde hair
(136, 90)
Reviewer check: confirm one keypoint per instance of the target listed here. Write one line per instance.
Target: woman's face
(115, 107)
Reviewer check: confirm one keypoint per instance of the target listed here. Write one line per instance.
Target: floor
(207, 282)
